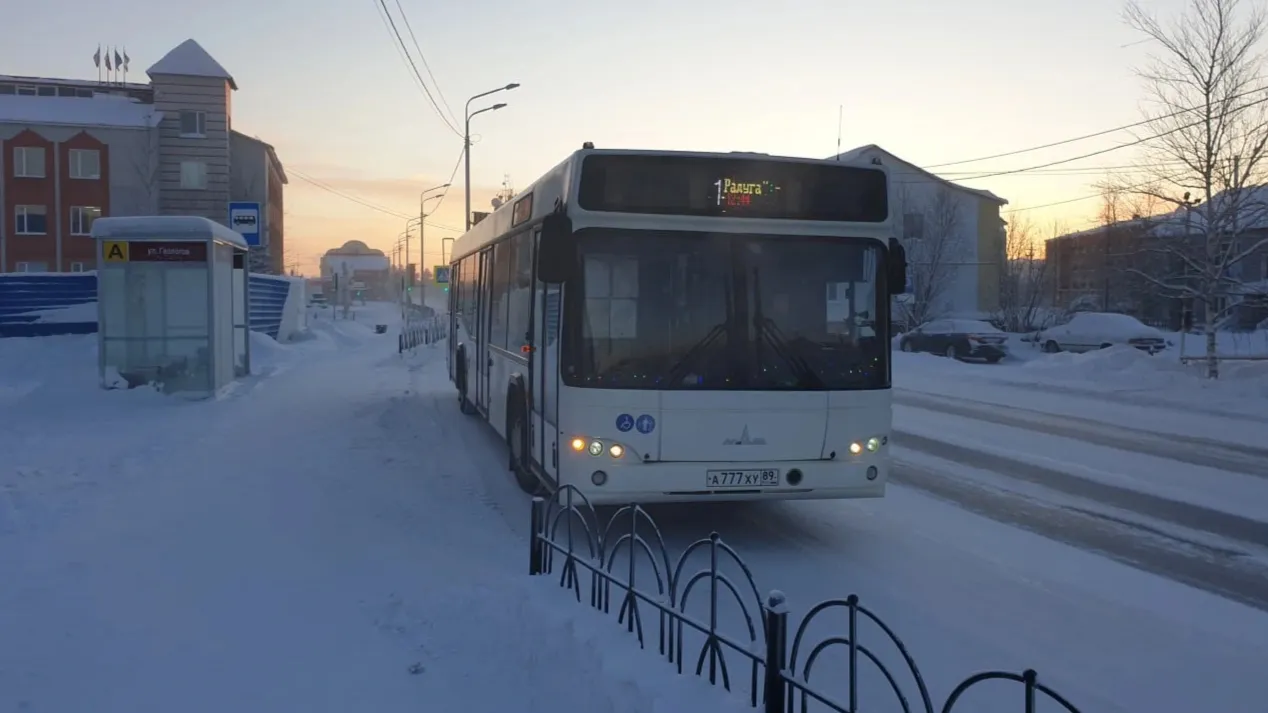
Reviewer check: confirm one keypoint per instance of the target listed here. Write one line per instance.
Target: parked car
(1086, 331)
(957, 339)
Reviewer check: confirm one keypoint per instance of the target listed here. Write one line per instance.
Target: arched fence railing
(775, 660)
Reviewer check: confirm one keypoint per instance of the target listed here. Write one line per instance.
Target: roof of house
(101, 111)
(189, 59)
(277, 162)
(862, 152)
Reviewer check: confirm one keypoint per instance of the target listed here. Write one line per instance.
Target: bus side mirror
(557, 251)
(897, 265)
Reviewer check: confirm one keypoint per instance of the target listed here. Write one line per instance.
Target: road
(974, 576)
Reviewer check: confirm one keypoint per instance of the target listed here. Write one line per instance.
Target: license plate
(767, 478)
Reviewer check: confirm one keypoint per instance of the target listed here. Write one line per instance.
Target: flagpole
(97, 61)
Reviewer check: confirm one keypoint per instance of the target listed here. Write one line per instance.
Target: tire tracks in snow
(1205, 452)
(1224, 572)
(1124, 524)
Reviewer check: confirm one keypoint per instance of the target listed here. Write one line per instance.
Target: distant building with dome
(359, 264)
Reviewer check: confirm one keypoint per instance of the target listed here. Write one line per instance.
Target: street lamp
(466, 139)
(422, 239)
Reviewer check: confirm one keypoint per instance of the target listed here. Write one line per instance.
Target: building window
(193, 124)
(81, 219)
(85, 163)
(194, 175)
(46, 91)
(76, 267)
(30, 220)
(914, 226)
(28, 162)
(8, 89)
(26, 91)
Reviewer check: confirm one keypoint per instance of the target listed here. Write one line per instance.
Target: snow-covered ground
(303, 544)
(334, 535)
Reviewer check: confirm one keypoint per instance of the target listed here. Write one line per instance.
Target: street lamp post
(422, 237)
(466, 139)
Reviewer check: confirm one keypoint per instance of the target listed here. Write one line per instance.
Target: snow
(165, 228)
(189, 59)
(307, 543)
(332, 536)
(1117, 375)
(83, 312)
(105, 110)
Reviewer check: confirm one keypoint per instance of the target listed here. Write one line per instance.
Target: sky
(931, 81)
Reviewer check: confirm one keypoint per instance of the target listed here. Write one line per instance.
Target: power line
(1097, 134)
(413, 66)
(423, 59)
(362, 202)
(1084, 198)
(452, 175)
(1117, 147)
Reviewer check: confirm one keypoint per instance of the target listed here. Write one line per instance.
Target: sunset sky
(932, 81)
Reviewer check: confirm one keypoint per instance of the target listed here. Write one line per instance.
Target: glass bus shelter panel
(222, 273)
(241, 327)
(156, 325)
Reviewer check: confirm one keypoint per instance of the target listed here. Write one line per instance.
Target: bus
(663, 326)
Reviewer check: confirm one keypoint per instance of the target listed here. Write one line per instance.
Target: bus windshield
(715, 311)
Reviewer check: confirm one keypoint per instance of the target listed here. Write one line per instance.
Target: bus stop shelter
(172, 304)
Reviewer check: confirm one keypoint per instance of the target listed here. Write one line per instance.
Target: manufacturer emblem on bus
(744, 440)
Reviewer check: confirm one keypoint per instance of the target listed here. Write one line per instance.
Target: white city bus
(654, 326)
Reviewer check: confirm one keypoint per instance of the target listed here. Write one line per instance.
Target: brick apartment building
(1100, 269)
(73, 150)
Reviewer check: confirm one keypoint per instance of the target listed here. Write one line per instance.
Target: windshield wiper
(680, 368)
(768, 330)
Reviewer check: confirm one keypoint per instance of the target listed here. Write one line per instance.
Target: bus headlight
(596, 448)
(578, 444)
(856, 448)
(616, 450)
(874, 444)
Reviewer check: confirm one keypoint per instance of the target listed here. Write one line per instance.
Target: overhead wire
(423, 58)
(400, 42)
(1093, 135)
(363, 202)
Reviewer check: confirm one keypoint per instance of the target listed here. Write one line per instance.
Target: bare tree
(934, 243)
(1205, 150)
(1023, 279)
(1125, 253)
(145, 165)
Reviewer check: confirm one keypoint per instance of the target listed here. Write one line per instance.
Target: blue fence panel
(40, 305)
(268, 300)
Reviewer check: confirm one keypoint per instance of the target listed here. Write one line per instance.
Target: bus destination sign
(734, 193)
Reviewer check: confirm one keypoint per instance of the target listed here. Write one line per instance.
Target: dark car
(957, 339)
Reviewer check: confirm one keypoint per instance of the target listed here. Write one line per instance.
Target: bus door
(546, 373)
(482, 358)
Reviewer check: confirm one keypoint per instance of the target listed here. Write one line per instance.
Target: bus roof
(541, 197)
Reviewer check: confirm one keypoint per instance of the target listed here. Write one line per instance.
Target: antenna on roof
(840, 116)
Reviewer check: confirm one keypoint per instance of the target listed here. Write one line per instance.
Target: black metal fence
(419, 331)
(777, 659)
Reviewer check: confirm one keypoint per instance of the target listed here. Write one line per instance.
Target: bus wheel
(464, 404)
(517, 447)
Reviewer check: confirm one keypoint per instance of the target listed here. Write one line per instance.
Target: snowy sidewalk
(290, 548)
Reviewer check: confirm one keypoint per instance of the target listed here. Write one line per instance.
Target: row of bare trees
(1203, 155)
